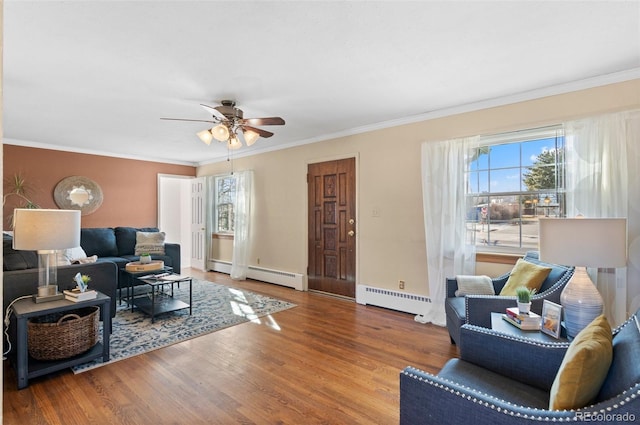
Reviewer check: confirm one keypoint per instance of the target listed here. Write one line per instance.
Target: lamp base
(37, 299)
(581, 302)
(47, 293)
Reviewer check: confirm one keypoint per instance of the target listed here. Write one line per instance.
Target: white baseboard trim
(288, 279)
(394, 300)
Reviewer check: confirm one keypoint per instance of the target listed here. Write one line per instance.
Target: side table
(500, 325)
(23, 310)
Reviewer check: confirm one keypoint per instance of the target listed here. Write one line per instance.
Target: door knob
(351, 233)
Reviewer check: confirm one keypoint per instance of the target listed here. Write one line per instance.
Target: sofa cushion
(485, 381)
(100, 241)
(149, 243)
(525, 274)
(16, 259)
(126, 238)
(584, 367)
(474, 285)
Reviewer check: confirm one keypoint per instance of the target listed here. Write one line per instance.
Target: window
(225, 197)
(512, 180)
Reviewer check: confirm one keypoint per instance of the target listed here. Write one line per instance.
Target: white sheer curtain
(242, 211)
(603, 180)
(209, 219)
(443, 190)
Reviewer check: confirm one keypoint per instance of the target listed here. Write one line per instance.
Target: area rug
(215, 307)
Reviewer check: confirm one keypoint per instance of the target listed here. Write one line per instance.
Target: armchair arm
(478, 308)
(429, 399)
(523, 359)
(173, 251)
(452, 287)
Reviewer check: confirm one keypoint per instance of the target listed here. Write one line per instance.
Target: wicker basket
(63, 335)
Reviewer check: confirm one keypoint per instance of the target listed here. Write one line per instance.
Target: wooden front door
(332, 214)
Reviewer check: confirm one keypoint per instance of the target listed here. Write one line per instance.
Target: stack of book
(76, 296)
(525, 321)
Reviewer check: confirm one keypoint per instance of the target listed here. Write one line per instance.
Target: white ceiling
(96, 76)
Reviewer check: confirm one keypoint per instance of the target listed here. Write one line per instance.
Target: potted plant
(145, 258)
(523, 295)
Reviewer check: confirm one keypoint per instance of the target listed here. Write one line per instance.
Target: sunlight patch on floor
(240, 307)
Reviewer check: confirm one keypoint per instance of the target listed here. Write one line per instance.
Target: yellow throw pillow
(584, 367)
(525, 274)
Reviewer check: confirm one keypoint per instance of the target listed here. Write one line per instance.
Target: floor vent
(400, 301)
(291, 280)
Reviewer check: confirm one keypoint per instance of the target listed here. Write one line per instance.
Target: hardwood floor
(327, 361)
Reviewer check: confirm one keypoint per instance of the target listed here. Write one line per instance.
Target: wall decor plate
(78, 193)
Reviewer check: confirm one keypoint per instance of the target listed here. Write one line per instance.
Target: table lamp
(46, 231)
(582, 242)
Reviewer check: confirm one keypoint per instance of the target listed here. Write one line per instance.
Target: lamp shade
(250, 137)
(205, 136)
(220, 132)
(585, 242)
(44, 229)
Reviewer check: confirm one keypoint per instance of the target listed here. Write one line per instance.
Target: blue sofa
(117, 245)
(504, 379)
(476, 309)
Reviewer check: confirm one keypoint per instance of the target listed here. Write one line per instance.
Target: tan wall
(129, 187)
(391, 246)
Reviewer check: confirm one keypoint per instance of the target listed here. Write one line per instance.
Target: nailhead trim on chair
(486, 403)
(538, 417)
(531, 341)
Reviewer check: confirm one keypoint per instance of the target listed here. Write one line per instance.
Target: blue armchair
(476, 309)
(489, 385)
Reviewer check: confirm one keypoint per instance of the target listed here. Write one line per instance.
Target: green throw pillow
(584, 367)
(525, 274)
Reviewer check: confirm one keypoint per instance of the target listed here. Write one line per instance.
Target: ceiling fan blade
(185, 119)
(262, 133)
(265, 121)
(213, 111)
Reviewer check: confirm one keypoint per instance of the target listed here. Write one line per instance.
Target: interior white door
(174, 212)
(198, 217)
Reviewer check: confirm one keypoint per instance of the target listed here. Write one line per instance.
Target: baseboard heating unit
(288, 279)
(394, 300)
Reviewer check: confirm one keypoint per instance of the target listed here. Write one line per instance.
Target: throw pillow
(525, 274)
(150, 243)
(584, 367)
(73, 254)
(474, 285)
(87, 260)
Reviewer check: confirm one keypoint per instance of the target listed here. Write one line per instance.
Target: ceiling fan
(231, 126)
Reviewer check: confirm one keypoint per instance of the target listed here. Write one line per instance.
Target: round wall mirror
(78, 193)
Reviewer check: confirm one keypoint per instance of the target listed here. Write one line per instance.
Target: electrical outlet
(401, 284)
(258, 261)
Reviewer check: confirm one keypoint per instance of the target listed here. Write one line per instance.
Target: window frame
(229, 231)
(558, 193)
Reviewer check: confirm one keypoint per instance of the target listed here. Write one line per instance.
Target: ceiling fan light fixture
(220, 132)
(205, 136)
(250, 137)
